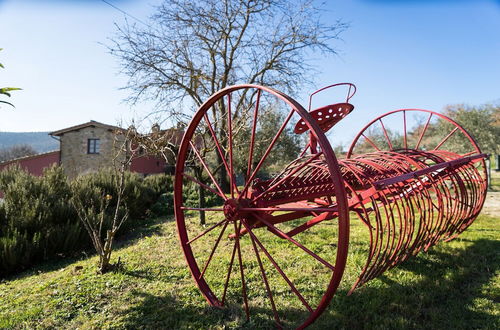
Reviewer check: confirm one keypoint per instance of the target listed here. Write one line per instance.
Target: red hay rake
(285, 223)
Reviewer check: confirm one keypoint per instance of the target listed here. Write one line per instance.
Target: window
(93, 146)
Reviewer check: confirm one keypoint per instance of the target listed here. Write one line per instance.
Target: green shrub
(36, 218)
(138, 197)
(164, 205)
(160, 183)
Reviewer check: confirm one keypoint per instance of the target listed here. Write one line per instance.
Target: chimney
(155, 128)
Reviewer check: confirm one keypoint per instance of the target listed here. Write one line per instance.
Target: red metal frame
(409, 198)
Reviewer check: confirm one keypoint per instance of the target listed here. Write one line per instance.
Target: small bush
(160, 183)
(164, 205)
(137, 196)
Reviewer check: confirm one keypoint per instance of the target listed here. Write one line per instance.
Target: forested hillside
(40, 141)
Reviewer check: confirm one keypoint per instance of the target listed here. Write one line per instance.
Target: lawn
(454, 285)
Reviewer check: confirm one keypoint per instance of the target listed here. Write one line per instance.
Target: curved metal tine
(242, 273)
(205, 166)
(223, 299)
(281, 234)
(187, 176)
(264, 278)
(295, 170)
(205, 232)
(217, 144)
(282, 273)
(266, 153)
(386, 135)
(213, 250)
(423, 131)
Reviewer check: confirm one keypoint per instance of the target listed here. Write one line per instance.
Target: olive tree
(482, 122)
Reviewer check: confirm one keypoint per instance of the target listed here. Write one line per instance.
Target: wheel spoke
(204, 185)
(386, 135)
(206, 168)
(264, 278)
(223, 299)
(370, 142)
(446, 138)
(240, 261)
(291, 209)
(423, 131)
(268, 150)
(217, 144)
(252, 139)
(230, 137)
(281, 234)
(206, 232)
(213, 250)
(202, 209)
(404, 129)
(275, 264)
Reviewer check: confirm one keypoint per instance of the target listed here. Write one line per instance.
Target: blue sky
(423, 54)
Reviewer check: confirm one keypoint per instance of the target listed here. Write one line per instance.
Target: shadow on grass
(444, 290)
(447, 290)
(167, 312)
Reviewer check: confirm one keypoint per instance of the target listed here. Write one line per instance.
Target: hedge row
(38, 220)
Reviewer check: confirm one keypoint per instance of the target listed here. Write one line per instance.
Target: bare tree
(191, 49)
(92, 204)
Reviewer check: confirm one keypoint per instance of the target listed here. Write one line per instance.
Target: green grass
(454, 285)
(495, 181)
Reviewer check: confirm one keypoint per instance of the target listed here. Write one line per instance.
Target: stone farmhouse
(90, 146)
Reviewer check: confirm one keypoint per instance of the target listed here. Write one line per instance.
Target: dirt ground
(492, 204)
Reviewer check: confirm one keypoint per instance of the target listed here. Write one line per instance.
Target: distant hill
(40, 141)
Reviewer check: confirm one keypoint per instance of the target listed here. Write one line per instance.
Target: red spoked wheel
(254, 252)
(416, 130)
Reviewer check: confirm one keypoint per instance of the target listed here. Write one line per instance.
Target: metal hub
(232, 208)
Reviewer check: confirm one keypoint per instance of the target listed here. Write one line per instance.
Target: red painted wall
(148, 165)
(35, 164)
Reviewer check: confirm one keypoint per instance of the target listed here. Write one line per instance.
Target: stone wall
(75, 158)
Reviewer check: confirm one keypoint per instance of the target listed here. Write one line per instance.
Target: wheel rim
(404, 121)
(451, 142)
(258, 259)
